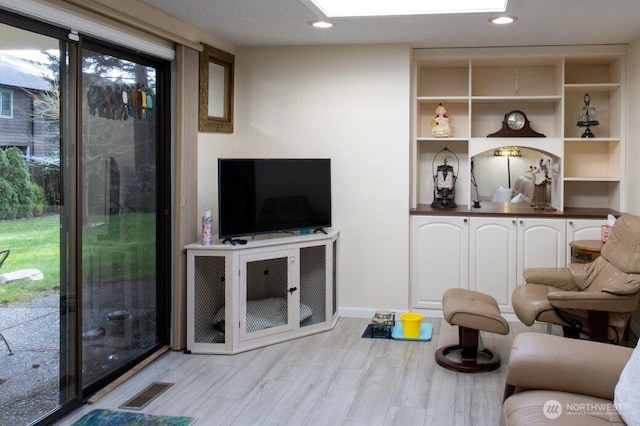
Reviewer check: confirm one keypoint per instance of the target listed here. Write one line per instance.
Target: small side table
(585, 251)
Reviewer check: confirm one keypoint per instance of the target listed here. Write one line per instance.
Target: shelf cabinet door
(541, 244)
(439, 258)
(584, 229)
(269, 293)
(492, 258)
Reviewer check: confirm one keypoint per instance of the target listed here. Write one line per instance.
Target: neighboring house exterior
(21, 122)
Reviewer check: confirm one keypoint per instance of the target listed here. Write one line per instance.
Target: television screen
(259, 196)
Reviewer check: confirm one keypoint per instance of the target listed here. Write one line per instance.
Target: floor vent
(147, 395)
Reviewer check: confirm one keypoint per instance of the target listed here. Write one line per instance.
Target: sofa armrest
(547, 362)
(560, 278)
(593, 301)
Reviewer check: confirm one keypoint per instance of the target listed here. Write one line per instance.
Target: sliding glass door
(38, 362)
(84, 216)
(120, 214)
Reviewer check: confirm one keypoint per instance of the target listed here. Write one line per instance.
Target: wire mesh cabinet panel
(313, 285)
(267, 291)
(207, 297)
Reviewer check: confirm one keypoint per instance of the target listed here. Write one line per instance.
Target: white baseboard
(437, 313)
(349, 312)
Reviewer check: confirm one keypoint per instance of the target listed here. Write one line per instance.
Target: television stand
(271, 289)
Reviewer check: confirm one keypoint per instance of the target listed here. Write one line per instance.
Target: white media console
(271, 289)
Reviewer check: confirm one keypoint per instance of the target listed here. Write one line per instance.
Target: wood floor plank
(414, 383)
(331, 378)
(257, 406)
(334, 403)
(361, 354)
(247, 377)
(405, 416)
(301, 396)
(374, 395)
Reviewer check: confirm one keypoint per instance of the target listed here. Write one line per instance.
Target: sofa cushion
(502, 195)
(541, 407)
(627, 393)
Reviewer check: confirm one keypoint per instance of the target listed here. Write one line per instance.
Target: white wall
(632, 146)
(350, 104)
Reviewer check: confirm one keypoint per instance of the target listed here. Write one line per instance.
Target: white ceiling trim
(360, 8)
(64, 16)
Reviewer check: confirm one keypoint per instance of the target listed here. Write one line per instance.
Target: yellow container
(411, 324)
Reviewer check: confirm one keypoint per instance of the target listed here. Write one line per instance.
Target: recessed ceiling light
(321, 24)
(343, 8)
(502, 20)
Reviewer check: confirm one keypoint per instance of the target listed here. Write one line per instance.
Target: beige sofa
(559, 381)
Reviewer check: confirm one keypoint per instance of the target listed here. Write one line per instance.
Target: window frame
(9, 92)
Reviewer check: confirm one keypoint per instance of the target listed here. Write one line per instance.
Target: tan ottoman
(472, 312)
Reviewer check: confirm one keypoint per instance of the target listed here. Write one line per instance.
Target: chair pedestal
(6, 343)
(472, 312)
(598, 328)
(470, 354)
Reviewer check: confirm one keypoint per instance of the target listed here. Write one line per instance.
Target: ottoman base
(472, 312)
(470, 354)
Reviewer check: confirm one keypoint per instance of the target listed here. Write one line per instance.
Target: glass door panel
(119, 213)
(84, 222)
(37, 358)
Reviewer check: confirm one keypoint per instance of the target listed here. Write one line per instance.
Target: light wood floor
(330, 378)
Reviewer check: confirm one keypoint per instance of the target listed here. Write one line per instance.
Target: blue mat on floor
(425, 332)
(121, 418)
(426, 329)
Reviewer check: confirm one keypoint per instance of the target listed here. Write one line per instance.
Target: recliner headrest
(622, 249)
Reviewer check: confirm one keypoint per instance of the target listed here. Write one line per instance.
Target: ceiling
(285, 22)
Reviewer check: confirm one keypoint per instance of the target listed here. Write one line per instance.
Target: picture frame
(216, 75)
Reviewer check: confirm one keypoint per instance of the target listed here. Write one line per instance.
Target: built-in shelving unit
(479, 86)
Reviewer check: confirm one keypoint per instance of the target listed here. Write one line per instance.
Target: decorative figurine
(541, 176)
(587, 117)
(441, 125)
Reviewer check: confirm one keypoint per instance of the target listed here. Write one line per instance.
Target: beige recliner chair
(556, 381)
(597, 298)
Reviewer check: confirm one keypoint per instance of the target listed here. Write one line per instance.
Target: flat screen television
(261, 196)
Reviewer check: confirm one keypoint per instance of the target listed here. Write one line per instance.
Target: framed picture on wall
(215, 112)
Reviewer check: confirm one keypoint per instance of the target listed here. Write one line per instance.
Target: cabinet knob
(570, 223)
(466, 220)
(513, 221)
(522, 222)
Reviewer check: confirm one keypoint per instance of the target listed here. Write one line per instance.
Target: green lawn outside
(34, 243)
(122, 249)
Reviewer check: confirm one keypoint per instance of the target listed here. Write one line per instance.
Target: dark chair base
(6, 343)
(598, 328)
(470, 354)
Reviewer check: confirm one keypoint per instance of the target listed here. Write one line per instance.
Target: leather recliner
(557, 381)
(595, 298)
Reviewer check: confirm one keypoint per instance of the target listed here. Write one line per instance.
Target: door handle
(292, 289)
